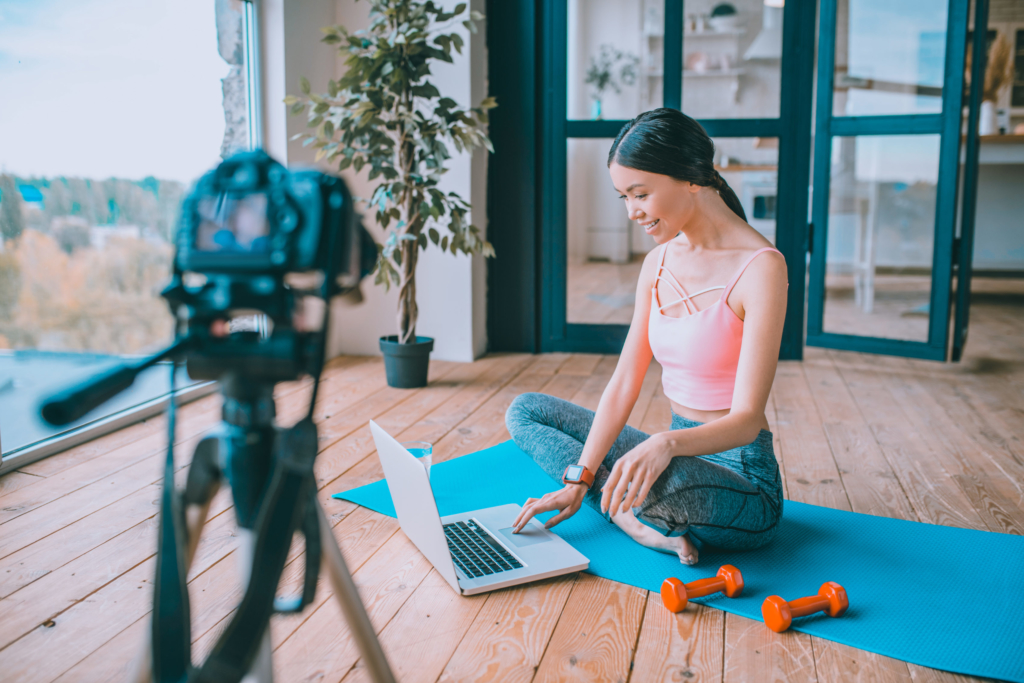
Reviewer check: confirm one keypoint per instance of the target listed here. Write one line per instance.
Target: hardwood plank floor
(938, 443)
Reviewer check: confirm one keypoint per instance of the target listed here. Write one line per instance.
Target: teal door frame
(947, 125)
(792, 127)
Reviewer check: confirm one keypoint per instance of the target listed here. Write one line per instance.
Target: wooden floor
(884, 436)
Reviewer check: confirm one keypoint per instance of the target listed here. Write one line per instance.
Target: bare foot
(650, 538)
(687, 551)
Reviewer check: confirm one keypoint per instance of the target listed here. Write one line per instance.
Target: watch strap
(587, 477)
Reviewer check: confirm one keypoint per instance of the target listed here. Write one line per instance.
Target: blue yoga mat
(941, 597)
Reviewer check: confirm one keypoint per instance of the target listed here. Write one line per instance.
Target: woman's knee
(533, 408)
(523, 410)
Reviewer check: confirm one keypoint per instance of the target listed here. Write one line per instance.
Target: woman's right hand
(568, 500)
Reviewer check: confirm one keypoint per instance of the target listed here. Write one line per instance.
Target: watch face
(574, 472)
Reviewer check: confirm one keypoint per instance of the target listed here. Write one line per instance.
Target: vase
(406, 364)
(987, 124)
(595, 110)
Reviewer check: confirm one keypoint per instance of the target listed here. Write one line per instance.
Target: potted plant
(998, 74)
(602, 74)
(384, 115)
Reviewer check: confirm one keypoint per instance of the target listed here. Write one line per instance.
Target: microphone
(72, 403)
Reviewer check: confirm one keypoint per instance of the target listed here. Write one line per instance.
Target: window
(112, 109)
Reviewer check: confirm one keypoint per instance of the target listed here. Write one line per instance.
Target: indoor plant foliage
(385, 115)
(602, 73)
(998, 75)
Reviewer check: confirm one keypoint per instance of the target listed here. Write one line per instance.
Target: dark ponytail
(668, 142)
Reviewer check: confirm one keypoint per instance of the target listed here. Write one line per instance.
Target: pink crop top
(698, 352)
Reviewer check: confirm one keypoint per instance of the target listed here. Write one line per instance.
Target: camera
(249, 231)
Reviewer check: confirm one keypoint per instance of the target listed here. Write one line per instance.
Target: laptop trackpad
(529, 536)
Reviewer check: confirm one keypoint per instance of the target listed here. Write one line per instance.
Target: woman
(712, 478)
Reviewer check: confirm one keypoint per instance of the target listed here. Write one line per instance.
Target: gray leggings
(730, 500)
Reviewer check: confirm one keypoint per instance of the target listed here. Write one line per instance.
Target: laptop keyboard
(476, 552)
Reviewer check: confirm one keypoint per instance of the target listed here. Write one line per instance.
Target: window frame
(62, 441)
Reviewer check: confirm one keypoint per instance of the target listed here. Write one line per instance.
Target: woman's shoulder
(764, 267)
(649, 268)
(752, 243)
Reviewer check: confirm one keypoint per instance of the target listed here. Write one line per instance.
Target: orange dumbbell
(675, 594)
(778, 614)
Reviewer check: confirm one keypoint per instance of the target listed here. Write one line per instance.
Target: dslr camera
(257, 238)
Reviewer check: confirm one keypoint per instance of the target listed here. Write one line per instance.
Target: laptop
(474, 551)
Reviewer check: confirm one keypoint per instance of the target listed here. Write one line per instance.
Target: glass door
(886, 163)
(742, 69)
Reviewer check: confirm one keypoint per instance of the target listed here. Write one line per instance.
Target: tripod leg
(200, 488)
(351, 605)
(262, 670)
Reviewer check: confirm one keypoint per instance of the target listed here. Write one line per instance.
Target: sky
(102, 88)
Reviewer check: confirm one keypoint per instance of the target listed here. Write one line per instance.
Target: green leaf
(297, 108)
(422, 241)
(444, 243)
(457, 40)
(290, 100)
(434, 236)
(304, 84)
(425, 90)
(459, 9)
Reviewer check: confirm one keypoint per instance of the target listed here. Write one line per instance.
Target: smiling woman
(111, 108)
(711, 312)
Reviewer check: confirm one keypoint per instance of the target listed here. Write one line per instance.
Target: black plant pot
(406, 364)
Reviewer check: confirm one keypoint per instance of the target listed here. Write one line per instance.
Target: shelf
(735, 168)
(713, 73)
(1010, 139)
(733, 33)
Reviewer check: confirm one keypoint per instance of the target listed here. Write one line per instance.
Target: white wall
(451, 289)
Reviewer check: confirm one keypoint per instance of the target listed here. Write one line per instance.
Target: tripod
(270, 471)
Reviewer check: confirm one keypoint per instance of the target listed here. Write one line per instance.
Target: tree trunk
(408, 312)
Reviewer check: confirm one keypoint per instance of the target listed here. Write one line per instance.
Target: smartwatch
(578, 474)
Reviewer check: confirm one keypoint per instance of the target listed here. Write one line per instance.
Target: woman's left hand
(634, 474)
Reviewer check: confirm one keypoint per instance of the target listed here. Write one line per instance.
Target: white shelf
(713, 73)
(732, 33)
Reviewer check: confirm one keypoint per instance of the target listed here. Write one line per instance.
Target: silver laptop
(474, 551)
